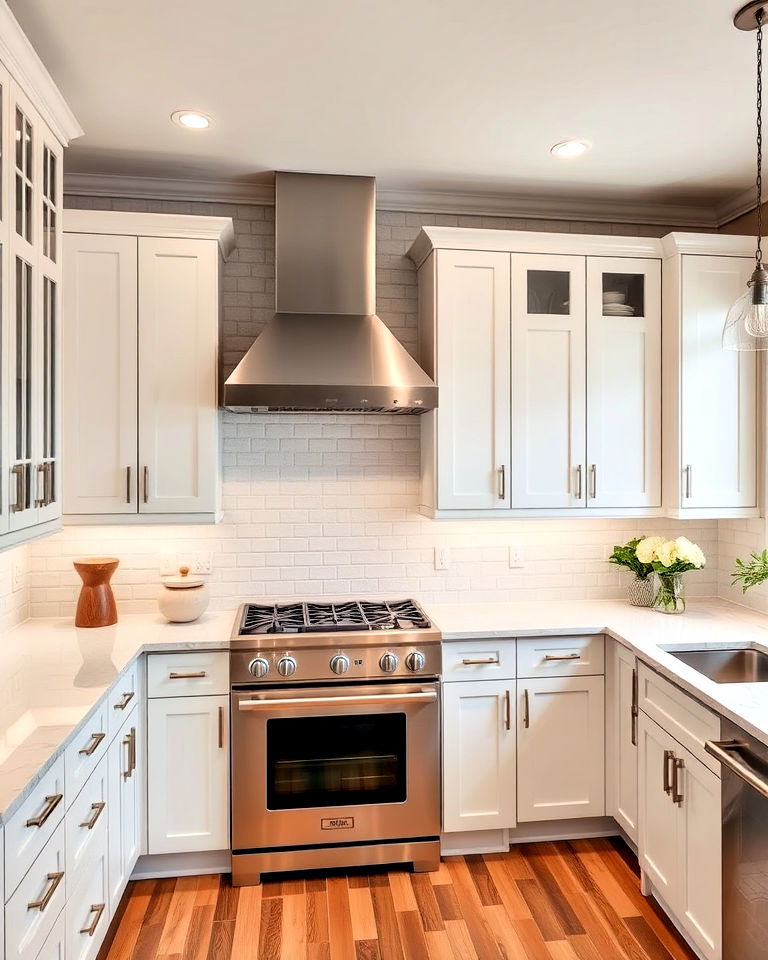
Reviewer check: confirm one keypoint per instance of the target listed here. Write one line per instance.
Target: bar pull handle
(502, 482)
(97, 808)
(54, 881)
(593, 481)
(221, 728)
(127, 484)
(507, 711)
(49, 491)
(635, 710)
(678, 764)
(19, 472)
(688, 471)
(526, 709)
(197, 675)
(562, 656)
(127, 743)
(123, 702)
(51, 803)
(728, 753)
(97, 909)
(579, 482)
(146, 484)
(131, 751)
(41, 485)
(478, 661)
(669, 758)
(96, 739)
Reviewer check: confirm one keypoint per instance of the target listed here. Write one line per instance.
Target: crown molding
(19, 58)
(190, 227)
(736, 206)
(410, 201)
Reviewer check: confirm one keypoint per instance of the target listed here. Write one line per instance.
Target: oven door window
(336, 761)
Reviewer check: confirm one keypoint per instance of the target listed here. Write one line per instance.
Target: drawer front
(32, 910)
(187, 674)
(122, 699)
(54, 947)
(85, 751)
(687, 720)
(33, 824)
(83, 818)
(479, 660)
(561, 656)
(87, 907)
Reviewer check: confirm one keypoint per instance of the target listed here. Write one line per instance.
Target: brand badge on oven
(337, 823)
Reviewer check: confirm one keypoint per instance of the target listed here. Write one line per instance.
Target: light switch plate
(515, 558)
(442, 558)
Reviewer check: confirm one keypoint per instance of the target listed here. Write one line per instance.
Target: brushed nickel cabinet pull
(678, 764)
(579, 482)
(97, 809)
(526, 709)
(669, 757)
(19, 472)
(51, 803)
(97, 909)
(478, 661)
(507, 711)
(146, 484)
(635, 710)
(41, 485)
(562, 656)
(132, 751)
(593, 481)
(127, 484)
(221, 728)
(54, 881)
(502, 482)
(688, 483)
(96, 739)
(198, 675)
(123, 702)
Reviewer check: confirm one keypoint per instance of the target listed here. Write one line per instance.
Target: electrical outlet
(17, 576)
(167, 564)
(201, 563)
(442, 558)
(515, 558)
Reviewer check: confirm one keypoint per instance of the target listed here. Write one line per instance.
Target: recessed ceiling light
(570, 148)
(191, 119)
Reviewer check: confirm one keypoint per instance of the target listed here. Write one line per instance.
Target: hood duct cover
(325, 348)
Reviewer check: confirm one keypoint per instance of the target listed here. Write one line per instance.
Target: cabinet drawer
(687, 720)
(479, 660)
(54, 947)
(32, 910)
(122, 699)
(87, 909)
(33, 824)
(187, 674)
(86, 749)
(561, 656)
(83, 818)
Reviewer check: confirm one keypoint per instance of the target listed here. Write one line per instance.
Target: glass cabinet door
(21, 421)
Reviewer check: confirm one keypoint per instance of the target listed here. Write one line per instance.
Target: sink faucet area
(726, 664)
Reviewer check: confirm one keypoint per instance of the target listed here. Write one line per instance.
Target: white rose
(667, 553)
(646, 549)
(690, 552)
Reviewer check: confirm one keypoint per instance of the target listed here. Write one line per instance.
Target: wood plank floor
(576, 900)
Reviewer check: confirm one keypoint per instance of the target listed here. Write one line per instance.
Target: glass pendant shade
(746, 326)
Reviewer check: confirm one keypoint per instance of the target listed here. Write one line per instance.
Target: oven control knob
(286, 666)
(340, 663)
(259, 667)
(415, 661)
(388, 663)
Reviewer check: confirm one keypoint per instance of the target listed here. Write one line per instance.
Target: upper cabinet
(710, 394)
(547, 352)
(140, 403)
(35, 126)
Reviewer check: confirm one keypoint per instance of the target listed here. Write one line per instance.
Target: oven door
(348, 763)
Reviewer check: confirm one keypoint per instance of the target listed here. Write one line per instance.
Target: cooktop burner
(332, 617)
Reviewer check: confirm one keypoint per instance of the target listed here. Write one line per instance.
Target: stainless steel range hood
(325, 349)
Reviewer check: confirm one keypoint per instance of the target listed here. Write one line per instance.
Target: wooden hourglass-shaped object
(96, 604)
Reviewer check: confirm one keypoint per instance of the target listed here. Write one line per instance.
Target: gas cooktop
(348, 616)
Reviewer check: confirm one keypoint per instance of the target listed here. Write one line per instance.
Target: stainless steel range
(335, 737)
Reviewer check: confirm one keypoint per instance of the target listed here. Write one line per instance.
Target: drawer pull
(51, 802)
(54, 880)
(123, 702)
(96, 739)
(562, 656)
(97, 909)
(469, 661)
(97, 809)
(187, 676)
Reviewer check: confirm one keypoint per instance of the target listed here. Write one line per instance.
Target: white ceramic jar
(182, 598)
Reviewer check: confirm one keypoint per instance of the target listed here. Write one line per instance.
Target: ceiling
(423, 94)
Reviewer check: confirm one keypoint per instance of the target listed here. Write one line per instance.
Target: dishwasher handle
(727, 752)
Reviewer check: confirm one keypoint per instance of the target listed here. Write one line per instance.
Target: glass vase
(670, 596)
(641, 592)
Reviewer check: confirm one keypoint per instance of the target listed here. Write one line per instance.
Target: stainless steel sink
(727, 665)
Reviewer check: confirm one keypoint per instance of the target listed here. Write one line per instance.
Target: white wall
(14, 604)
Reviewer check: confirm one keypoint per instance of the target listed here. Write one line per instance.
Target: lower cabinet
(621, 737)
(679, 835)
(478, 755)
(188, 774)
(560, 748)
(31, 911)
(123, 806)
(87, 909)
(55, 946)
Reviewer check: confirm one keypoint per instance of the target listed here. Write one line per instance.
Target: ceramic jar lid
(183, 581)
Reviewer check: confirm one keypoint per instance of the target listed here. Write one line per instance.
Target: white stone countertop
(52, 674)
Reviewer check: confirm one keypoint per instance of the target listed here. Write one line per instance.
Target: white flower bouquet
(670, 559)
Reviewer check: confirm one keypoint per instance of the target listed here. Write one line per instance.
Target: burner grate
(332, 617)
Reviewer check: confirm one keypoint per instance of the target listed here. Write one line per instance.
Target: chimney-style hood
(325, 348)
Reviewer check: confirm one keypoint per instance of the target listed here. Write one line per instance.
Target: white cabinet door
(718, 390)
(623, 382)
(560, 748)
(548, 381)
(473, 437)
(478, 755)
(188, 774)
(100, 374)
(658, 823)
(178, 403)
(124, 762)
(700, 900)
(621, 735)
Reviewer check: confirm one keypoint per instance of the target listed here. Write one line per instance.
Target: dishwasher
(744, 762)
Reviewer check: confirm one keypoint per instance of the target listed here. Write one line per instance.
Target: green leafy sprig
(625, 556)
(752, 573)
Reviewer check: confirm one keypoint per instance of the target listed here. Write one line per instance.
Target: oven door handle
(424, 696)
(727, 752)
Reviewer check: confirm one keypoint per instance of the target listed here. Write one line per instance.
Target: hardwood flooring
(577, 900)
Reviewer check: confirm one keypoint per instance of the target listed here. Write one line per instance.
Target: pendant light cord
(759, 180)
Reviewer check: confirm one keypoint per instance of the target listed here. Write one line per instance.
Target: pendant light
(746, 326)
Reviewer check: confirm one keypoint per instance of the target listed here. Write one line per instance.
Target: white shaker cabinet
(478, 755)
(188, 774)
(711, 394)
(140, 360)
(621, 737)
(466, 462)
